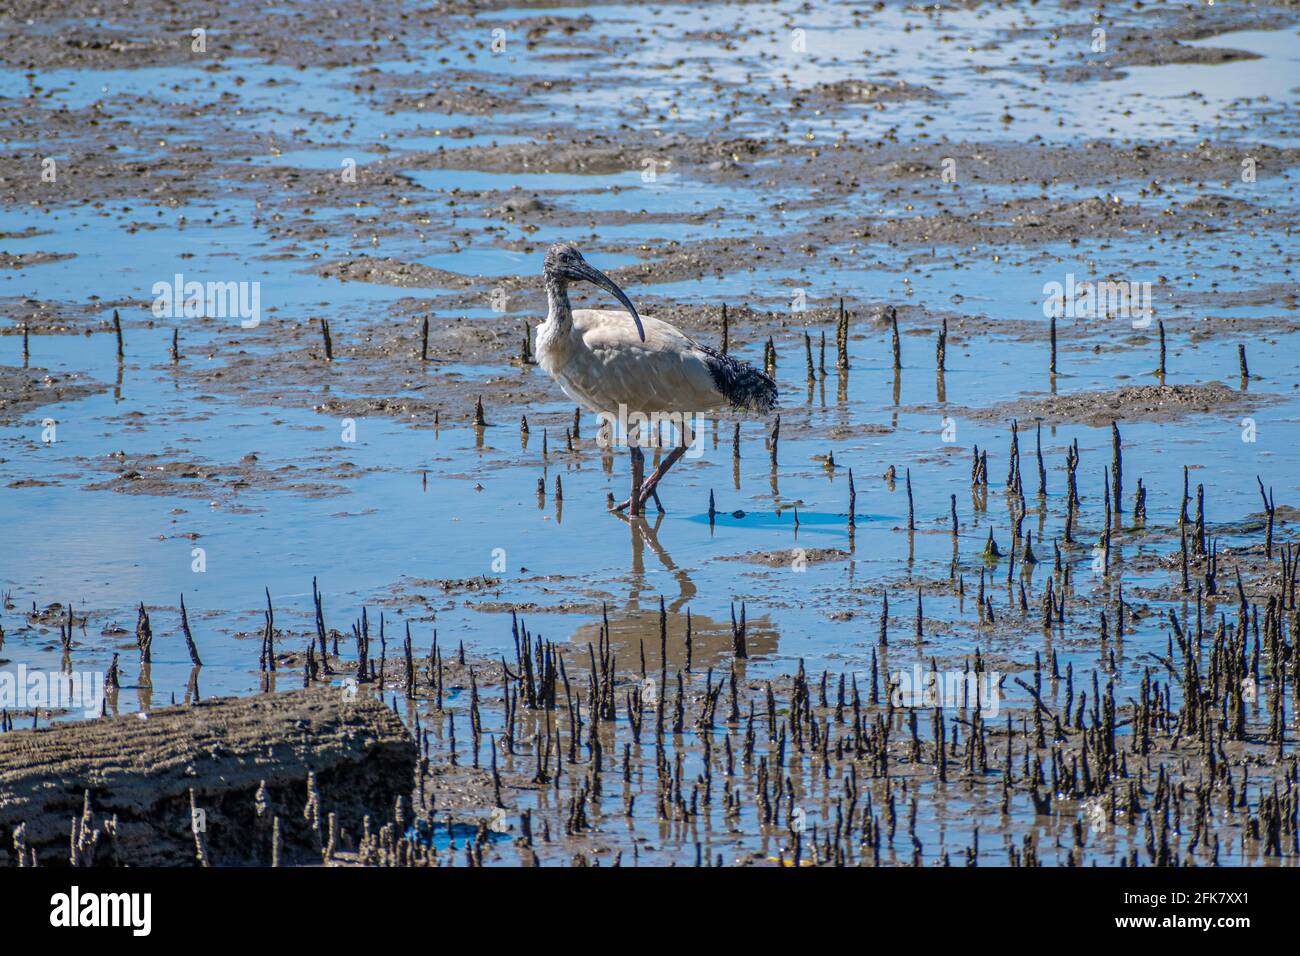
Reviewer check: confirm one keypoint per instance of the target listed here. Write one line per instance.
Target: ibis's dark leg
(638, 477)
(636, 500)
(648, 489)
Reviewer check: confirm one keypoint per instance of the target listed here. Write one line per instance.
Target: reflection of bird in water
(643, 535)
(638, 627)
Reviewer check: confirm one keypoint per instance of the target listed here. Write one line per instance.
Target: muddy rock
(139, 774)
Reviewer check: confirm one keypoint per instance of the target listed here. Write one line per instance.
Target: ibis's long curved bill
(596, 277)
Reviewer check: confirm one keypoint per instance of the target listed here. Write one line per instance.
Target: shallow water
(284, 544)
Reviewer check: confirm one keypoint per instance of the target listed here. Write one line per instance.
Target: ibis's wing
(667, 372)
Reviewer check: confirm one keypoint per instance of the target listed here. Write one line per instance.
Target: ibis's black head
(565, 263)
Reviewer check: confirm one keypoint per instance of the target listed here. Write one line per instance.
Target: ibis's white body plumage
(601, 363)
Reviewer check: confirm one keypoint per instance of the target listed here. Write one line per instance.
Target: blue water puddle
(1175, 99)
(133, 248)
(1273, 75)
(438, 835)
(472, 180)
(784, 520)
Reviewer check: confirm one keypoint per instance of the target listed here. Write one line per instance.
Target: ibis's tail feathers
(744, 387)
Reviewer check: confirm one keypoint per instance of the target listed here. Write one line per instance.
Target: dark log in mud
(142, 771)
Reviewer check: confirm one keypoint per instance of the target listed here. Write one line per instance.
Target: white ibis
(647, 367)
